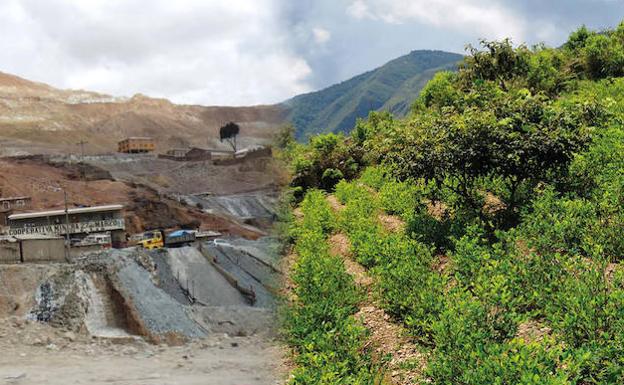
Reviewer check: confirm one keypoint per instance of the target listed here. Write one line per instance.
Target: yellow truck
(157, 239)
(148, 240)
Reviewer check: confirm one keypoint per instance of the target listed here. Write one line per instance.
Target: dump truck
(156, 239)
(179, 238)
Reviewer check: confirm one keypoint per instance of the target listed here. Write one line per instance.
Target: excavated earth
(36, 118)
(209, 309)
(194, 315)
(44, 179)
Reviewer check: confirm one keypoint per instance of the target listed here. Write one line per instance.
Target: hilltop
(391, 87)
(38, 118)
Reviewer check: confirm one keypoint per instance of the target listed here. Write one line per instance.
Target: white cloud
(359, 10)
(191, 51)
(488, 18)
(321, 35)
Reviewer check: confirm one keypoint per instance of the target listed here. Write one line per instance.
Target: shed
(135, 145)
(9, 250)
(198, 154)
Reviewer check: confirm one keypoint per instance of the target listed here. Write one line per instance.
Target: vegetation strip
(320, 325)
(388, 339)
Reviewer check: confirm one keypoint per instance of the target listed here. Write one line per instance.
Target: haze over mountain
(391, 87)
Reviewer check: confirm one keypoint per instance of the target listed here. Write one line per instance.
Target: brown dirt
(407, 362)
(144, 207)
(35, 115)
(610, 271)
(493, 204)
(340, 245)
(386, 337)
(389, 338)
(172, 177)
(38, 354)
(18, 284)
(287, 286)
(45, 183)
(392, 223)
(442, 264)
(437, 209)
(532, 331)
(334, 203)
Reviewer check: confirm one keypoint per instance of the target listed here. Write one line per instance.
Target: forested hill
(391, 87)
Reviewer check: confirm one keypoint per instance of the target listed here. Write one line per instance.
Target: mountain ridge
(392, 87)
(38, 118)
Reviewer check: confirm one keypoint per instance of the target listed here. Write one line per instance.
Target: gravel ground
(236, 320)
(266, 249)
(38, 354)
(159, 313)
(166, 278)
(248, 270)
(197, 274)
(259, 205)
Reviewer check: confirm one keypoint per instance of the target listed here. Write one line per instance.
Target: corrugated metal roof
(37, 236)
(79, 210)
(13, 198)
(138, 138)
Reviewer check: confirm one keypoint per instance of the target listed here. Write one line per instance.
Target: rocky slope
(37, 118)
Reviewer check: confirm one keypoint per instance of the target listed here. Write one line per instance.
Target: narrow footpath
(387, 338)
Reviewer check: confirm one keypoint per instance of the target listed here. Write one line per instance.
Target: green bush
(319, 323)
(522, 152)
(411, 290)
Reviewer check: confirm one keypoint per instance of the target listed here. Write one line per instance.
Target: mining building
(78, 222)
(136, 145)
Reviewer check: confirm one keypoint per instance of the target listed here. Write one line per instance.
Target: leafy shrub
(512, 171)
(411, 291)
(375, 177)
(320, 323)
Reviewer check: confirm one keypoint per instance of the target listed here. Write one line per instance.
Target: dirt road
(59, 360)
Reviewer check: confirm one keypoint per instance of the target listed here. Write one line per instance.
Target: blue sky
(242, 52)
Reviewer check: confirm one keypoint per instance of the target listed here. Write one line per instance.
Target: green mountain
(391, 87)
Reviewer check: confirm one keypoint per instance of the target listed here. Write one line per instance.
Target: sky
(247, 52)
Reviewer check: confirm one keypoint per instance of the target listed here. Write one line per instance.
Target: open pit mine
(148, 266)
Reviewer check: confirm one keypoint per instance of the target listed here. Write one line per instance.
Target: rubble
(169, 295)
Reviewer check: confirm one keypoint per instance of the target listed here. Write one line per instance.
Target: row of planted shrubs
(511, 184)
(468, 310)
(329, 341)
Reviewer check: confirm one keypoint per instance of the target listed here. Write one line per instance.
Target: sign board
(74, 228)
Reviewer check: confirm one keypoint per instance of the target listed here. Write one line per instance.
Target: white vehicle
(102, 239)
(221, 243)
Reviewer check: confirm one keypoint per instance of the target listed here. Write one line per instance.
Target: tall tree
(229, 133)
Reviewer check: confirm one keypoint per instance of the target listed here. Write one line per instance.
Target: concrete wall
(193, 155)
(43, 250)
(9, 252)
(265, 152)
